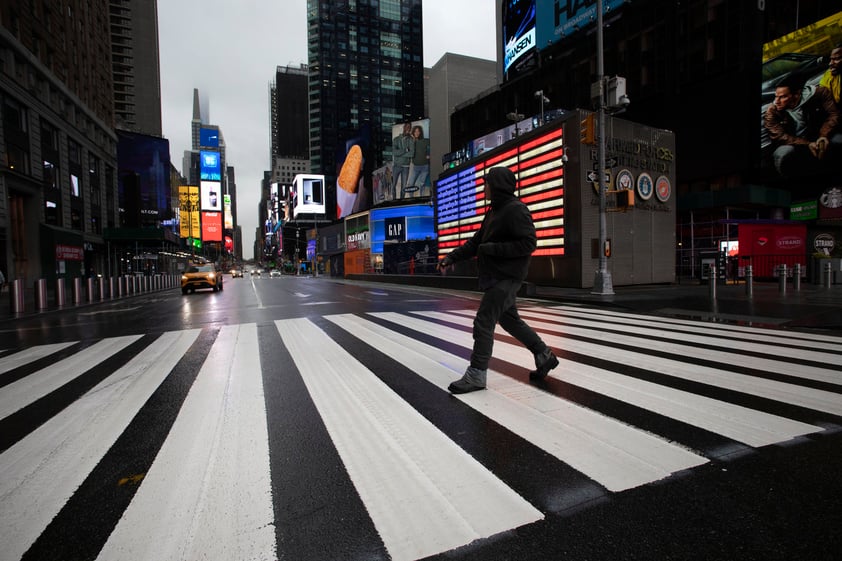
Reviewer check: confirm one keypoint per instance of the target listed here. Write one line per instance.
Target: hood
(501, 182)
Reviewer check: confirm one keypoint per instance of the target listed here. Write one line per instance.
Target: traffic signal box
(624, 199)
(587, 130)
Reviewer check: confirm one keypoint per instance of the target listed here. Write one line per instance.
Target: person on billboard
(831, 79)
(503, 246)
(803, 125)
(419, 167)
(402, 152)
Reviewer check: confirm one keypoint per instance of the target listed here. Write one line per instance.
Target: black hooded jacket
(504, 243)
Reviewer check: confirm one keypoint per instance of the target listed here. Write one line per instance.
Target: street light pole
(602, 278)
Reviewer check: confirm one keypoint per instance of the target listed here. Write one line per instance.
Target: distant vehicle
(201, 276)
(255, 272)
(236, 273)
(275, 273)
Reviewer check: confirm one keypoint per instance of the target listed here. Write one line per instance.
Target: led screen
(799, 82)
(209, 137)
(519, 52)
(188, 201)
(209, 166)
(211, 226)
(308, 194)
(559, 19)
(211, 192)
(537, 164)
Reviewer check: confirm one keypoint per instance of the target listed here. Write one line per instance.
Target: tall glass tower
(366, 74)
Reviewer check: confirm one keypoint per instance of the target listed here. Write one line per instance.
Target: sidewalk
(810, 307)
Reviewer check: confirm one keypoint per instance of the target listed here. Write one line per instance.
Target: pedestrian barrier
(95, 290)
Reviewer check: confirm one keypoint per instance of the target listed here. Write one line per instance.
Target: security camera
(624, 101)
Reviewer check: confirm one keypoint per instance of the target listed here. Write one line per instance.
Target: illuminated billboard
(559, 19)
(519, 42)
(209, 137)
(188, 202)
(410, 164)
(308, 194)
(799, 104)
(210, 168)
(211, 195)
(537, 164)
(211, 226)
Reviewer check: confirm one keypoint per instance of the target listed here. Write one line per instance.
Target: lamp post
(602, 277)
(544, 99)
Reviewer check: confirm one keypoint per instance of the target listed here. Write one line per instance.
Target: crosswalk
(245, 441)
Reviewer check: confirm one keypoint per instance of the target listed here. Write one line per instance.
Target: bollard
(712, 280)
(90, 288)
(749, 281)
(111, 288)
(782, 278)
(101, 285)
(796, 277)
(827, 275)
(40, 294)
(61, 292)
(17, 301)
(77, 290)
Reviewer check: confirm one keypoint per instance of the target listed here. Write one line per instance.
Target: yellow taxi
(201, 275)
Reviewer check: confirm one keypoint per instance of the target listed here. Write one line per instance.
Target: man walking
(503, 246)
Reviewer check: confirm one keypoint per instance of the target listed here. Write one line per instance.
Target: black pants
(498, 305)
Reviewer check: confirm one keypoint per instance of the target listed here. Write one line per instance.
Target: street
(308, 418)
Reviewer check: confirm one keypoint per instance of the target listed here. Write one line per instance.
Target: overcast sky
(230, 50)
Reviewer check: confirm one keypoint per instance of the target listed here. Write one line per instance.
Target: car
(274, 273)
(255, 272)
(201, 275)
(236, 273)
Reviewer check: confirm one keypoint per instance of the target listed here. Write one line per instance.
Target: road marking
(32, 354)
(119, 311)
(208, 493)
(42, 471)
(21, 393)
(424, 494)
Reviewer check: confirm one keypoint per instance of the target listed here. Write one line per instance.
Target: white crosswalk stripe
(208, 490)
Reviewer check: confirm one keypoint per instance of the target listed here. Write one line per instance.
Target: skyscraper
(135, 65)
(366, 75)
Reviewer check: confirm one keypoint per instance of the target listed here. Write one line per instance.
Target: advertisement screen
(209, 166)
(519, 48)
(144, 177)
(407, 173)
(557, 20)
(537, 164)
(188, 202)
(211, 226)
(800, 135)
(308, 194)
(209, 137)
(211, 195)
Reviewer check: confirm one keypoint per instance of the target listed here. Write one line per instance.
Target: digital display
(211, 193)
(308, 194)
(211, 226)
(537, 164)
(209, 166)
(559, 19)
(519, 36)
(209, 137)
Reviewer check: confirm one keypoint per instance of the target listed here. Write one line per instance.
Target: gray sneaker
(471, 381)
(544, 362)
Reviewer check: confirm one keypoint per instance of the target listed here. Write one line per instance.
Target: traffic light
(587, 130)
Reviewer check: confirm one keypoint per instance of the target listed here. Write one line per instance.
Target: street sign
(593, 177)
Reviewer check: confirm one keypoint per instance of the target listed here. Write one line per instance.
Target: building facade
(58, 173)
(366, 74)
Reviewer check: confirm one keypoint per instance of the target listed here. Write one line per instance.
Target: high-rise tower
(366, 75)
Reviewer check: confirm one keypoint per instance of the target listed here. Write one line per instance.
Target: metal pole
(782, 278)
(712, 280)
(602, 279)
(796, 277)
(749, 281)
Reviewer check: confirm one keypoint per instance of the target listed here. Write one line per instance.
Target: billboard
(210, 166)
(211, 192)
(409, 167)
(308, 194)
(143, 178)
(188, 202)
(558, 19)
(211, 226)
(209, 137)
(537, 163)
(800, 134)
(520, 52)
